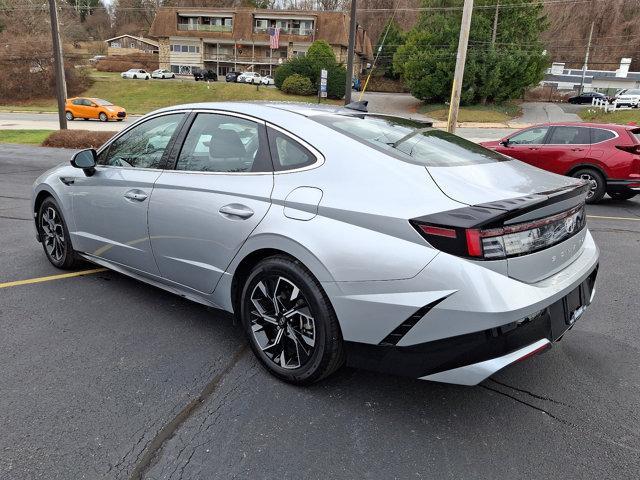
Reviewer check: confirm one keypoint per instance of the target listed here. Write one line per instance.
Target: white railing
(606, 106)
(205, 28)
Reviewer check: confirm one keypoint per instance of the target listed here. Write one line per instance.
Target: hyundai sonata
(334, 236)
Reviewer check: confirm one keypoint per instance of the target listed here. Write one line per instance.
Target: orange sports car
(83, 107)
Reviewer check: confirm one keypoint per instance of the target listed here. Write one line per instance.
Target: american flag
(274, 37)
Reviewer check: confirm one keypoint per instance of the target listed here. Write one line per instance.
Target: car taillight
(634, 149)
(504, 241)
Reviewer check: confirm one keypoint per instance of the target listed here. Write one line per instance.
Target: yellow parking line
(51, 277)
(614, 218)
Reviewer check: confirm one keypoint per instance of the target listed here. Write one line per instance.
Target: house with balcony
(237, 39)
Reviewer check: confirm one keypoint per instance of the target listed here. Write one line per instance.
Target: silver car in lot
(333, 235)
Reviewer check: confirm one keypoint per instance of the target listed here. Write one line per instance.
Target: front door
(203, 211)
(110, 207)
(525, 145)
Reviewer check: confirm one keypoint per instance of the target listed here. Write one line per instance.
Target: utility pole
(461, 58)
(61, 85)
(586, 57)
(350, 53)
(495, 25)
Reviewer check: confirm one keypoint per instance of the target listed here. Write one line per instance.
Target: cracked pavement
(102, 377)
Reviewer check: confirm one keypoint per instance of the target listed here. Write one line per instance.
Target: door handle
(534, 148)
(137, 195)
(577, 149)
(236, 210)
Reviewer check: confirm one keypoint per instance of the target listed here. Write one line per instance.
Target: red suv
(608, 156)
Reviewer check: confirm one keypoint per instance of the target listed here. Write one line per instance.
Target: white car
(267, 80)
(162, 73)
(249, 77)
(629, 98)
(136, 73)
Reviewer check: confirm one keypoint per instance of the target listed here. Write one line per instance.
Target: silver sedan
(333, 235)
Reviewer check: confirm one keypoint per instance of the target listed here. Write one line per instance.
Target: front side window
(410, 140)
(78, 101)
(569, 136)
(288, 154)
(224, 144)
(532, 136)
(144, 145)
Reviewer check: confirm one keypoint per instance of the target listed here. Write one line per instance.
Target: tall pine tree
(494, 71)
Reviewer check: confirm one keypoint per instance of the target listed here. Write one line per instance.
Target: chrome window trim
(314, 151)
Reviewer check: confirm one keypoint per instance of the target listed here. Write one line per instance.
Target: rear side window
(78, 101)
(288, 154)
(569, 136)
(635, 133)
(410, 140)
(600, 135)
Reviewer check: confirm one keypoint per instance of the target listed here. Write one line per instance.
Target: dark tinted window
(601, 135)
(288, 154)
(223, 143)
(410, 140)
(78, 101)
(144, 145)
(569, 136)
(531, 136)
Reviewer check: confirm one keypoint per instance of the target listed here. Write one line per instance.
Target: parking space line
(614, 218)
(51, 277)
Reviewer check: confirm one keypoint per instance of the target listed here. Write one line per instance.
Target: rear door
(566, 146)
(203, 211)
(525, 145)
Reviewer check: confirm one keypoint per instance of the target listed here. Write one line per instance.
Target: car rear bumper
(470, 358)
(456, 314)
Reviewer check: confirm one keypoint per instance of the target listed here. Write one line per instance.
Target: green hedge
(297, 85)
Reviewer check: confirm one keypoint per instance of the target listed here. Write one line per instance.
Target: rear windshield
(410, 140)
(99, 101)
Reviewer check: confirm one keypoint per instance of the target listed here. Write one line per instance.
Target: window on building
(184, 48)
(115, 44)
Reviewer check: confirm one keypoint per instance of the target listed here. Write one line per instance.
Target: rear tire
(56, 240)
(597, 181)
(103, 117)
(289, 322)
(622, 195)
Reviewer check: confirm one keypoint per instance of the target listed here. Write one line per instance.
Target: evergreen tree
(495, 72)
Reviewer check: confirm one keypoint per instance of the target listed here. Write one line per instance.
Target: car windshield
(410, 140)
(104, 103)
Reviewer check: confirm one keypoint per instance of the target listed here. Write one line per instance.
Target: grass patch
(29, 137)
(490, 113)
(143, 96)
(621, 117)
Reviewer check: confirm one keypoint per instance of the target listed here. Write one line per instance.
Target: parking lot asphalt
(103, 377)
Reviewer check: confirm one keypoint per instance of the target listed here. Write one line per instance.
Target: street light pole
(586, 58)
(350, 53)
(61, 85)
(461, 58)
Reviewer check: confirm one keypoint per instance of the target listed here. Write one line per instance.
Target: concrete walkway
(543, 112)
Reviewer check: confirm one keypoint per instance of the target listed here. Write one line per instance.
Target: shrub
(76, 139)
(27, 71)
(297, 85)
(122, 63)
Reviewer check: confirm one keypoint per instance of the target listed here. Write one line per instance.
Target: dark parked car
(232, 76)
(205, 75)
(606, 156)
(587, 97)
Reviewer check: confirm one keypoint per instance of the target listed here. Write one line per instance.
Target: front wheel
(289, 322)
(55, 235)
(135, 77)
(622, 195)
(597, 183)
(69, 116)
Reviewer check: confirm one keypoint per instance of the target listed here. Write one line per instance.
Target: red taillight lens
(634, 149)
(504, 241)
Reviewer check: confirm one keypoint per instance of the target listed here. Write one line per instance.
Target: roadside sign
(323, 75)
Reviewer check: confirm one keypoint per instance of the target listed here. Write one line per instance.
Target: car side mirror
(86, 160)
(504, 142)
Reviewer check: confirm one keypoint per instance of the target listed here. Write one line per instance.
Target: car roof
(610, 126)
